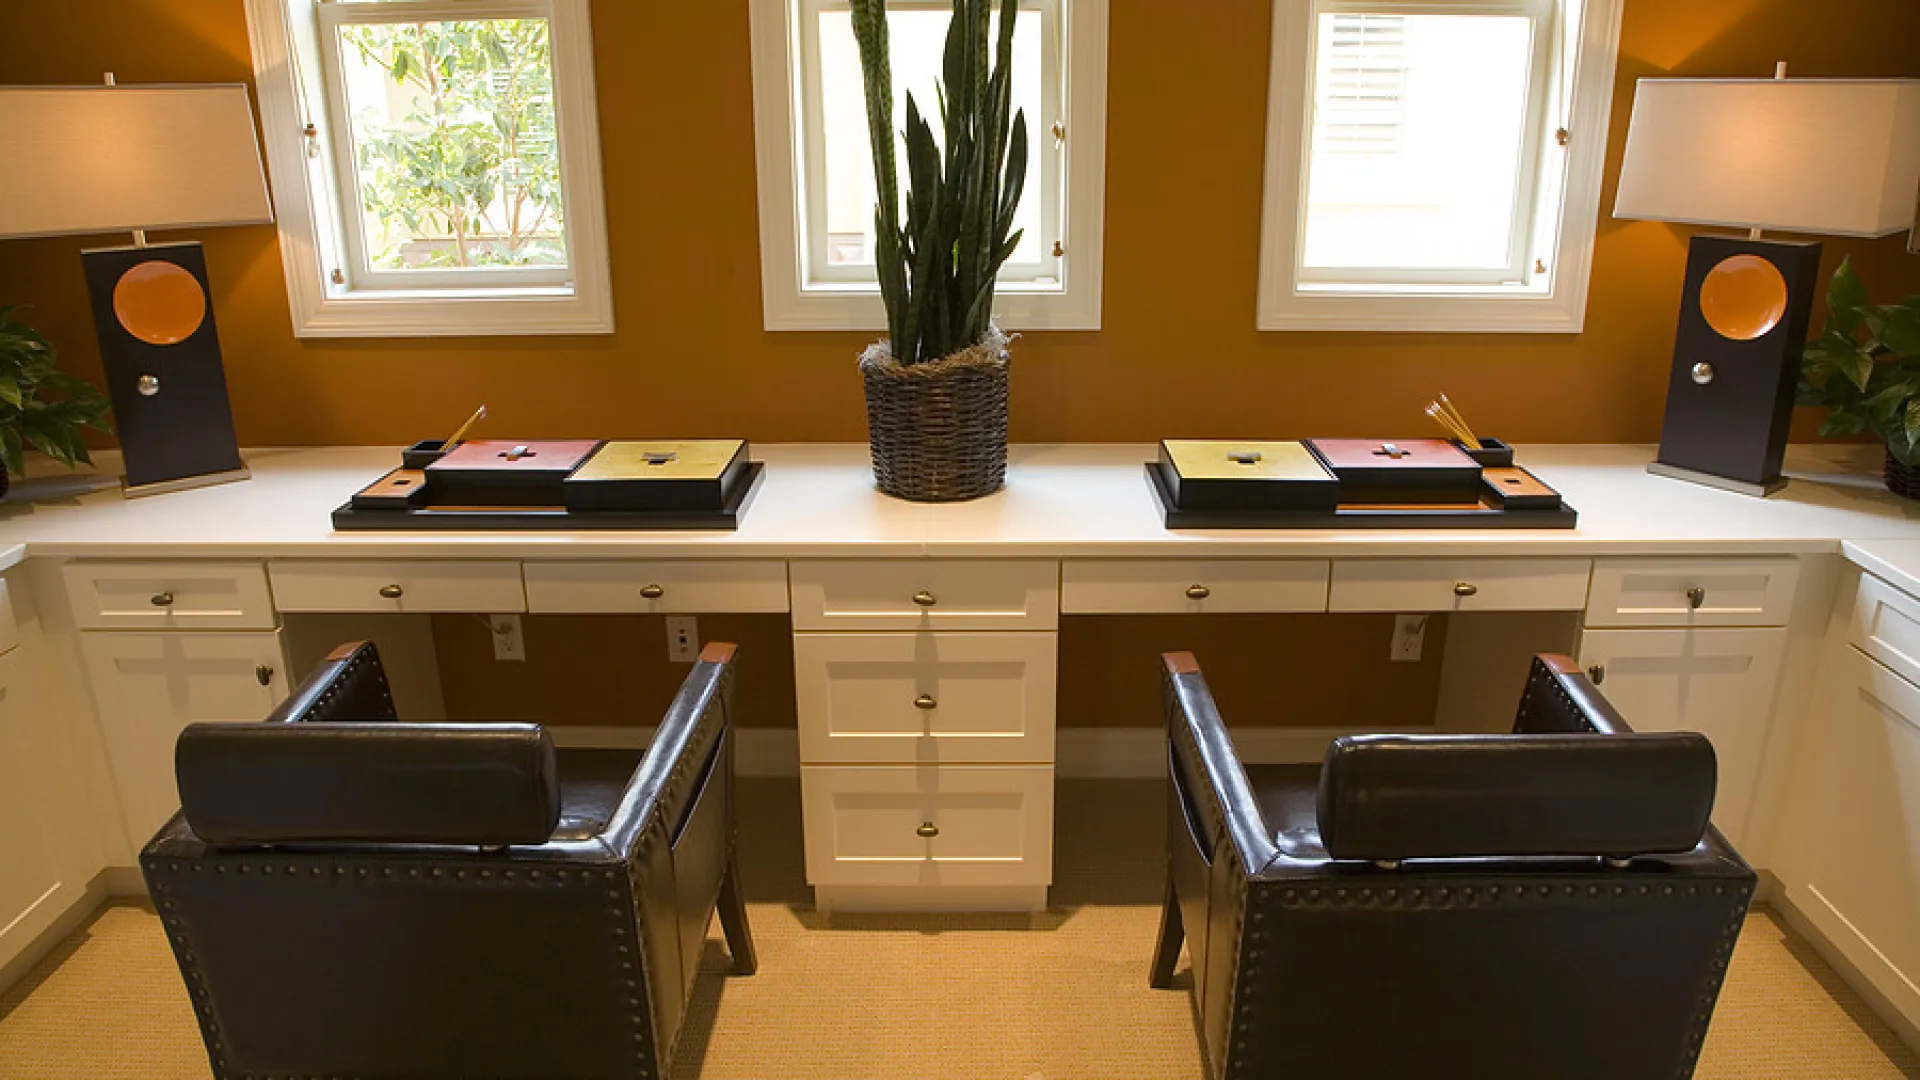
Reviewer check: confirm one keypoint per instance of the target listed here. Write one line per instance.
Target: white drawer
(1692, 592)
(928, 824)
(925, 698)
(183, 595)
(9, 627)
(1458, 585)
(926, 594)
(398, 585)
(1886, 626)
(692, 586)
(1109, 586)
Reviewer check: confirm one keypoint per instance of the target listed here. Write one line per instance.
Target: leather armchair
(1551, 902)
(349, 895)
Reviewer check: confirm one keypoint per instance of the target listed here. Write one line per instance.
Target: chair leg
(733, 920)
(1167, 953)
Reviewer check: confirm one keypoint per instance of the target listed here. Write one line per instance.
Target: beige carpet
(1058, 996)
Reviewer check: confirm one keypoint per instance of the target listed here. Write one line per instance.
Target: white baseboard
(1100, 753)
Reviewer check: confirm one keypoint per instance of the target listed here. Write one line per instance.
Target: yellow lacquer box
(1245, 474)
(691, 474)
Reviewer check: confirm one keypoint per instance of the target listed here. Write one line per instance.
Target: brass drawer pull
(392, 592)
(1597, 673)
(264, 674)
(928, 830)
(1198, 592)
(925, 701)
(1465, 588)
(1695, 597)
(924, 598)
(652, 592)
(162, 599)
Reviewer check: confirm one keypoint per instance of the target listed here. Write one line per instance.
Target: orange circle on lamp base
(159, 303)
(1743, 297)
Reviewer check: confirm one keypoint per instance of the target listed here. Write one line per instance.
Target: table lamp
(1837, 157)
(94, 159)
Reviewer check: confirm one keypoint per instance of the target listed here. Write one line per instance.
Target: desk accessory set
(1464, 482)
(456, 483)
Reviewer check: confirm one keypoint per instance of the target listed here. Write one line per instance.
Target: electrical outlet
(1409, 633)
(508, 644)
(683, 639)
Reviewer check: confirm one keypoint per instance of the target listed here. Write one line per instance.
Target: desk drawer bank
(926, 688)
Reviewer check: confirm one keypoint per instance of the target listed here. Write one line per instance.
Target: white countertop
(818, 500)
(1895, 561)
(11, 554)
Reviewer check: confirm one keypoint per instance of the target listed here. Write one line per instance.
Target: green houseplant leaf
(29, 415)
(937, 271)
(1864, 367)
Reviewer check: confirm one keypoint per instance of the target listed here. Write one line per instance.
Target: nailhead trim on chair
(359, 872)
(1291, 897)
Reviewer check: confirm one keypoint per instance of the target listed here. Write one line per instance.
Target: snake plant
(937, 271)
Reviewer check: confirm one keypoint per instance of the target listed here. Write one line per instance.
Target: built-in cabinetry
(47, 858)
(1695, 645)
(1854, 871)
(926, 709)
(167, 644)
(30, 870)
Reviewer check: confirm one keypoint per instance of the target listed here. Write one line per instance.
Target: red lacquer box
(1400, 471)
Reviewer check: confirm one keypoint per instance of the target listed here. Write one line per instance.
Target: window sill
(445, 313)
(832, 307)
(1458, 310)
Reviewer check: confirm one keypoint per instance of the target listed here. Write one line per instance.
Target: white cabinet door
(1862, 838)
(30, 863)
(928, 824)
(1717, 682)
(151, 686)
(967, 698)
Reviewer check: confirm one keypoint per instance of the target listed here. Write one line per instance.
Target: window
(435, 165)
(816, 167)
(1434, 164)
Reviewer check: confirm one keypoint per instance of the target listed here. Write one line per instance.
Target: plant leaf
(9, 391)
(1843, 423)
(11, 452)
(1845, 297)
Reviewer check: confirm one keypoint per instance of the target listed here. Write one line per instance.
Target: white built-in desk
(925, 635)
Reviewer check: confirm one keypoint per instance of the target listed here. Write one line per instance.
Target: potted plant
(51, 426)
(937, 385)
(1865, 368)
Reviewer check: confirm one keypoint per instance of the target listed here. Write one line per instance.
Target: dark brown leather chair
(352, 896)
(1549, 903)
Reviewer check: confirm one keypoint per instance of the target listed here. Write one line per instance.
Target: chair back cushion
(318, 782)
(1393, 797)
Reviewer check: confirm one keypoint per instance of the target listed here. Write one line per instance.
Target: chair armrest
(349, 685)
(1559, 699)
(670, 777)
(1203, 752)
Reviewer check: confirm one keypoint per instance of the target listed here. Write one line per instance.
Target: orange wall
(1178, 353)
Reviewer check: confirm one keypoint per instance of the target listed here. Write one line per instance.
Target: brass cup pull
(1597, 673)
(392, 592)
(652, 592)
(1695, 597)
(924, 598)
(1465, 588)
(928, 830)
(1198, 592)
(264, 674)
(161, 599)
(925, 701)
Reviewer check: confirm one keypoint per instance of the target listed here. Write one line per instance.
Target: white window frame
(781, 95)
(291, 74)
(1576, 96)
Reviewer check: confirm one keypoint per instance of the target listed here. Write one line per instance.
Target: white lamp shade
(1839, 157)
(92, 159)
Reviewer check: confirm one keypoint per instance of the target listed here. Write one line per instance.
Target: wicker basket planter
(1902, 480)
(938, 429)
